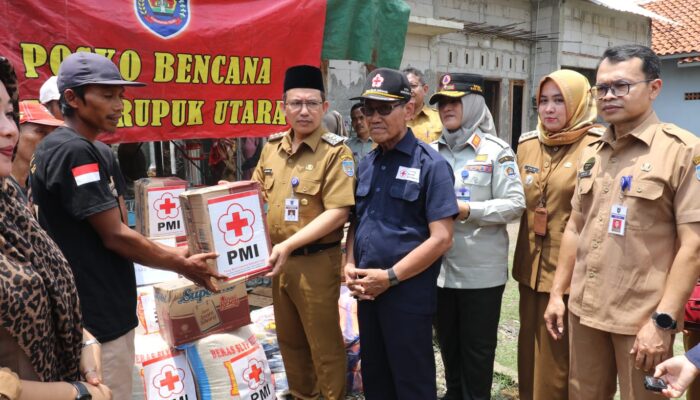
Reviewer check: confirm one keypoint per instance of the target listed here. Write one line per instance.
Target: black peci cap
(303, 77)
(458, 85)
(84, 68)
(386, 84)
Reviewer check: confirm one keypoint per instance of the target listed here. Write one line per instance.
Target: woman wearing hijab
(44, 351)
(474, 272)
(548, 157)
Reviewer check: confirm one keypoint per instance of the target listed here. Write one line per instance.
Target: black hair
(651, 64)
(355, 107)
(416, 72)
(9, 80)
(66, 108)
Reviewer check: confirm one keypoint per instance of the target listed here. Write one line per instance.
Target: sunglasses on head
(383, 110)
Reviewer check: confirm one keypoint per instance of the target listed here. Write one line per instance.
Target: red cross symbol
(237, 224)
(377, 81)
(403, 173)
(169, 380)
(255, 373)
(167, 205)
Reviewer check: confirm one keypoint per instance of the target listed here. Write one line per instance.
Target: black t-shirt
(71, 180)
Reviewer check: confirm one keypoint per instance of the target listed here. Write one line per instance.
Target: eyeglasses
(617, 88)
(383, 110)
(312, 105)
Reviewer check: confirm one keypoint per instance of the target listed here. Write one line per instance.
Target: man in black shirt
(75, 189)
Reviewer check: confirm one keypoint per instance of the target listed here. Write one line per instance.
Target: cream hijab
(580, 108)
(475, 116)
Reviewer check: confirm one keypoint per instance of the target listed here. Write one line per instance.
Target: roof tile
(684, 37)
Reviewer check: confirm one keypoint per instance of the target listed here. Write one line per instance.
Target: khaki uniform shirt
(359, 148)
(552, 168)
(426, 125)
(618, 281)
(325, 170)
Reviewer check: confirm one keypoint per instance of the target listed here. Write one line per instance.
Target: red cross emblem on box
(236, 224)
(167, 206)
(254, 375)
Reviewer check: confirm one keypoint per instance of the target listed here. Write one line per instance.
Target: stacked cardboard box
(157, 203)
(187, 312)
(229, 220)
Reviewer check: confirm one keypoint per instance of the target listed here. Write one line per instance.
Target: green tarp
(370, 31)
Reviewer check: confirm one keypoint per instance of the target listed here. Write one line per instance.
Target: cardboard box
(149, 276)
(158, 212)
(229, 220)
(187, 312)
(146, 311)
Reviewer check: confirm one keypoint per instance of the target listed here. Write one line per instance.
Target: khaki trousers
(543, 363)
(305, 297)
(118, 357)
(689, 341)
(597, 357)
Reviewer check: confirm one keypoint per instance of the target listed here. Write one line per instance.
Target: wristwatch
(83, 393)
(663, 321)
(393, 280)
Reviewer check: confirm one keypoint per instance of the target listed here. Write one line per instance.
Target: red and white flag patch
(86, 173)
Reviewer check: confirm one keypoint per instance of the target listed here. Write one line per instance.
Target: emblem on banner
(165, 18)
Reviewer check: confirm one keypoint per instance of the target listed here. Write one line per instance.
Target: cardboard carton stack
(229, 220)
(157, 202)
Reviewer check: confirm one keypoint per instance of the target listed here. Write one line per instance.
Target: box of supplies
(149, 276)
(187, 312)
(229, 220)
(157, 205)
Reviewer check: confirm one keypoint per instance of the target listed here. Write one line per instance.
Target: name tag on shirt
(408, 174)
(618, 215)
(291, 210)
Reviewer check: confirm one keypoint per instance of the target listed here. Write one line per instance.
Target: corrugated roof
(680, 38)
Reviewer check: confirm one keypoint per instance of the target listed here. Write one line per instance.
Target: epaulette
(528, 135)
(597, 130)
(332, 138)
(276, 136)
(683, 135)
(496, 140)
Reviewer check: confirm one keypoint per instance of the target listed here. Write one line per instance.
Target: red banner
(213, 68)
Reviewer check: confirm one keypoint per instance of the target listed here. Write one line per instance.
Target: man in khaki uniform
(630, 248)
(308, 181)
(425, 122)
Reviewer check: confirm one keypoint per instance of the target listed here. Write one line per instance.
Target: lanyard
(544, 180)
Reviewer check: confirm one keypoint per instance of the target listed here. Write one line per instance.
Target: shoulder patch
(680, 133)
(332, 138)
(276, 136)
(506, 159)
(500, 142)
(597, 131)
(528, 135)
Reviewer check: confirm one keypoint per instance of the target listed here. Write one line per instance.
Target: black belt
(313, 248)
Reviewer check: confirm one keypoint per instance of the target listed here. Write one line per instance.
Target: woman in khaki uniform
(547, 159)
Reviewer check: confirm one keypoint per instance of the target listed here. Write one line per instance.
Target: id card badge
(540, 223)
(291, 210)
(618, 215)
(463, 194)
